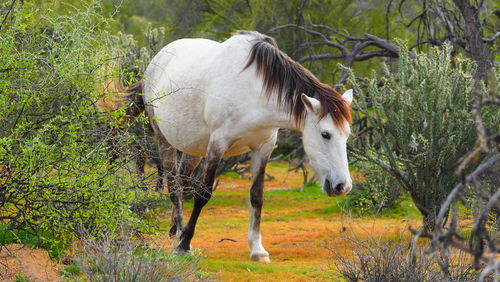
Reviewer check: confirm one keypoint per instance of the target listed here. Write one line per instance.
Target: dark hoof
(261, 258)
(181, 251)
(173, 231)
(183, 247)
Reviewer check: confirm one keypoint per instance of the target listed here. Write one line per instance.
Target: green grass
(259, 268)
(21, 278)
(320, 204)
(273, 198)
(405, 209)
(230, 175)
(280, 164)
(336, 208)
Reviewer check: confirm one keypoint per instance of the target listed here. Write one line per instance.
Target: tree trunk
(429, 221)
(474, 39)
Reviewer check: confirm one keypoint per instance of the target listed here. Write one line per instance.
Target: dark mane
(287, 80)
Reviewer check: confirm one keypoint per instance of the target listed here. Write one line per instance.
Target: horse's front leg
(260, 157)
(202, 195)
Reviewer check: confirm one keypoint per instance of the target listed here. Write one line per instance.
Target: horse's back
(197, 86)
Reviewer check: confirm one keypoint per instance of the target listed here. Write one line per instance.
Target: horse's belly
(196, 148)
(196, 144)
(186, 132)
(250, 140)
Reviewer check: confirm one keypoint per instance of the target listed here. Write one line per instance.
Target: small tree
(421, 124)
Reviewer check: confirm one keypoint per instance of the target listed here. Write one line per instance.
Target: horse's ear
(348, 96)
(312, 104)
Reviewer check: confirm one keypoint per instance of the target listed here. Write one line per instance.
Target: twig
(227, 239)
(453, 242)
(8, 13)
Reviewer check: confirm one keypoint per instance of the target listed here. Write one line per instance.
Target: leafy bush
(55, 174)
(421, 124)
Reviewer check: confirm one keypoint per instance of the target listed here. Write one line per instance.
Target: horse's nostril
(340, 187)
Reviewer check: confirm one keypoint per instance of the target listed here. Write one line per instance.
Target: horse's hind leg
(168, 159)
(140, 160)
(168, 156)
(185, 167)
(202, 195)
(159, 167)
(260, 157)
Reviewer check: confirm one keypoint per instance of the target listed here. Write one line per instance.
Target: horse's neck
(281, 119)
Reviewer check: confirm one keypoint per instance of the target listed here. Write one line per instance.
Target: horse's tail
(115, 96)
(133, 95)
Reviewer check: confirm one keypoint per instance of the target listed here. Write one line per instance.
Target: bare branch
(327, 56)
(453, 243)
(382, 43)
(492, 39)
(455, 192)
(378, 53)
(351, 48)
(313, 32)
(439, 11)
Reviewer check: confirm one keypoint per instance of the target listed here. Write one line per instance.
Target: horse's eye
(325, 135)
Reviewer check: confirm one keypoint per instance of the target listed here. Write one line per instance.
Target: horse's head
(325, 145)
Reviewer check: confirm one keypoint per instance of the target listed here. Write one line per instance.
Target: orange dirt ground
(35, 265)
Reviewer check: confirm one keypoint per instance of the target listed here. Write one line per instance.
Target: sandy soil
(35, 265)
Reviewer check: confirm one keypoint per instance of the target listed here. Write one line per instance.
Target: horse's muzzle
(336, 186)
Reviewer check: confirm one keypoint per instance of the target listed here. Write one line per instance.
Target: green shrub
(421, 123)
(147, 203)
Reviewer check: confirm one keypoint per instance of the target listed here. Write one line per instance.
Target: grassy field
(300, 229)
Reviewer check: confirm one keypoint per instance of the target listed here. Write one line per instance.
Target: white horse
(214, 100)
